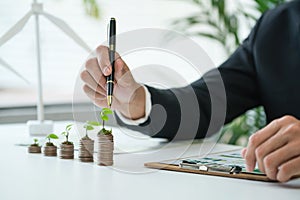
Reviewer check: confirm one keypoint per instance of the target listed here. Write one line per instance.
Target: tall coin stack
(86, 149)
(105, 149)
(67, 151)
(50, 150)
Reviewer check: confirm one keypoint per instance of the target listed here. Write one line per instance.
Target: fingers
(256, 140)
(289, 169)
(274, 160)
(89, 80)
(104, 62)
(276, 149)
(123, 75)
(126, 89)
(281, 164)
(275, 142)
(120, 68)
(243, 152)
(93, 69)
(99, 99)
(93, 95)
(121, 71)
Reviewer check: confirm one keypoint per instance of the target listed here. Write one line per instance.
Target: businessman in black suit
(264, 70)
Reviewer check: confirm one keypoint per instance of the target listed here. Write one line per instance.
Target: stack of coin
(86, 149)
(50, 150)
(34, 149)
(67, 151)
(105, 149)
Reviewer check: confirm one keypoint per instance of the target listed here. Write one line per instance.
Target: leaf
(197, 2)
(89, 127)
(35, 140)
(64, 133)
(248, 15)
(93, 123)
(106, 111)
(52, 136)
(104, 118)
(92, 8)
(68, 127)
(209, 35)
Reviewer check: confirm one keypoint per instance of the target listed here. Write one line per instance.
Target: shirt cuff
(148, 106)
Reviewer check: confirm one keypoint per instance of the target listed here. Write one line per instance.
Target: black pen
(112, 49)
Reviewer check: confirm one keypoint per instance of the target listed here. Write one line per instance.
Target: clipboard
(224, 164)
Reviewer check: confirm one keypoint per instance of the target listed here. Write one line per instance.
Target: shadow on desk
(293, 184)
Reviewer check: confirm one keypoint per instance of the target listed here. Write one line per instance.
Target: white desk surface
(27, 176)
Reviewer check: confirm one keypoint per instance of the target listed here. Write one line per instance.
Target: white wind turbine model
(10, 68)
(39, 126)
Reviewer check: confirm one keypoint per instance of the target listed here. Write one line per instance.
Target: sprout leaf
(88, 127)
(106, 111)
(104, 117)
(69, 126)
(52, 136)
(92, 123)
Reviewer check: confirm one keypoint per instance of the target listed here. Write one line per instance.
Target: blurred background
(218, 26)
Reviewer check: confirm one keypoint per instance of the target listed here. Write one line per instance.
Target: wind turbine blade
(15, 29)
(9, 67)
(67, 30)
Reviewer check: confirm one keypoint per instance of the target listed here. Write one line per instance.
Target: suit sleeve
(203, 107)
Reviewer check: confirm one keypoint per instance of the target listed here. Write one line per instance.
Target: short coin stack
(34, 149)
(105, 149)
(86, 149)
(50, 150)
(67, 151)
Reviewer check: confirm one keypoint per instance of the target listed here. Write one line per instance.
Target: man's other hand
(276, 149)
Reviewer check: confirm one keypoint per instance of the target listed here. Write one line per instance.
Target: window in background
(62, 59)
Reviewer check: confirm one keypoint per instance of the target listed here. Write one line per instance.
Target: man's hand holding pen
(129, 96)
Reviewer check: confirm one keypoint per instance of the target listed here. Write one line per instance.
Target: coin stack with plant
(105, 141)
(86, 144)
(35, 147)
(50, 149)
(67, 147)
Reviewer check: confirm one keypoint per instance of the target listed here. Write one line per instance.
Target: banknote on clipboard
(226, 164)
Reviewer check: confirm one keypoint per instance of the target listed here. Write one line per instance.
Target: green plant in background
(216, 21)
(66, 133)
(238, 131)
(49, 137)
(92, 8)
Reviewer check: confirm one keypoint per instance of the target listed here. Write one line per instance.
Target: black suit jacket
(264, 70)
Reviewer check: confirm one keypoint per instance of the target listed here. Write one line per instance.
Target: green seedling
(104, 117)
(89, 125)
(35, 142)
(49, 137)
(66, 133)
